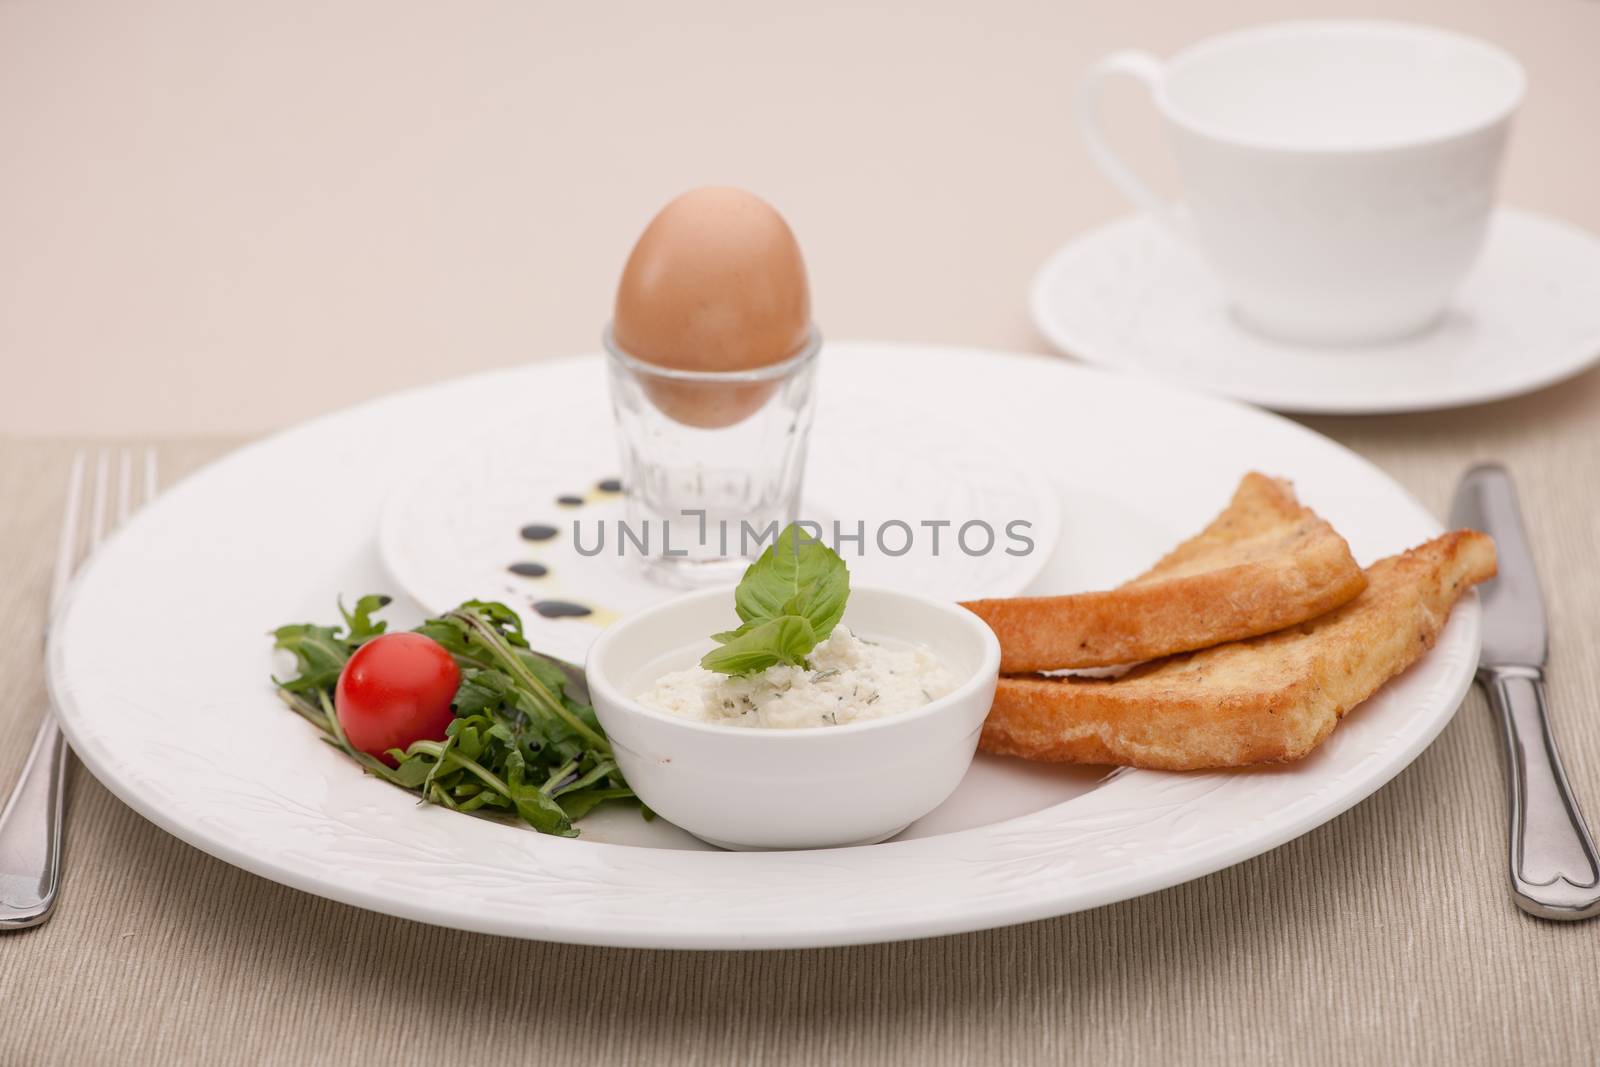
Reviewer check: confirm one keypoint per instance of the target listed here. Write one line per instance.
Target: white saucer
(1127, 296)
(453, 530)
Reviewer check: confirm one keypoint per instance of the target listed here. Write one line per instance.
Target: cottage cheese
(849, 680)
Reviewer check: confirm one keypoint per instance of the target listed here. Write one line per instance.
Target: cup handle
(1146, 68)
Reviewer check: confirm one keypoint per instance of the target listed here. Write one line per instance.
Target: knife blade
(1514, 628)
(1555, 871)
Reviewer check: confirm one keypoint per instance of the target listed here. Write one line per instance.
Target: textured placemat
(1385, 936)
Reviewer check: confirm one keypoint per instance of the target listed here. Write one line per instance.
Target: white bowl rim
(1290, 27)
(988, 667)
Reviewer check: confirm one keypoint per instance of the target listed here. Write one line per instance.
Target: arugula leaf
(577, 805)
(796, 575)
(320, 652)
(359, 623)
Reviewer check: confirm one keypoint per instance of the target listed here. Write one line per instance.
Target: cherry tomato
(396, 689)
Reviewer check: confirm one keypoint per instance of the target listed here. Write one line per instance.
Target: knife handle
(1555, 872)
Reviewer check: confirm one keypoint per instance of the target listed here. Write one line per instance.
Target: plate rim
(819, 937)
(1465, 623)
(1067, 342)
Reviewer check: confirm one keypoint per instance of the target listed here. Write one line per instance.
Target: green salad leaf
(786, 639)
(521, 744)
(788, 601)
(321, 651)
(796, 575)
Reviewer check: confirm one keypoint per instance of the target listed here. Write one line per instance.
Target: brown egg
(716, 283)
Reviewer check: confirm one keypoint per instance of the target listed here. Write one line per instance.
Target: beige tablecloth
(1386, 935)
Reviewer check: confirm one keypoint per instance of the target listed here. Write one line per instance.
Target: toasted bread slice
(1265, 563)
(1263, 700)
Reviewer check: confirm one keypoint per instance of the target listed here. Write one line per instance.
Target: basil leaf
(766, 644)
(728, 635)
(796, 575)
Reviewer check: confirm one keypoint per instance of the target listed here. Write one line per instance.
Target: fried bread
(1265, 563)
(1267, 699)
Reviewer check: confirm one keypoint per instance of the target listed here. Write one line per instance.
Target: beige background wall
(228, 216)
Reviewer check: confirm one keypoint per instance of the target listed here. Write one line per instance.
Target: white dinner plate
(159, 663)
(452, 531)
(1128, 296)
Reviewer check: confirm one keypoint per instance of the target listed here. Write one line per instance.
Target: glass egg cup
(711, 460)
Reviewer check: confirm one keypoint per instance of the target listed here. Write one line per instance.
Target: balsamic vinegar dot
(610, 485)
(569, 500)
(529, 570)
(560, 609)
(538, 531)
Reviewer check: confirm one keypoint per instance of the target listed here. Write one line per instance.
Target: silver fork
(30, 825)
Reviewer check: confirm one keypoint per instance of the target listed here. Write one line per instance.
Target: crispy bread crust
(1268, 699)
(1265, 563)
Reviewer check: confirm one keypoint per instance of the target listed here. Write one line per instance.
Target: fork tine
(124, 486)
(102, 493)
(67, 546)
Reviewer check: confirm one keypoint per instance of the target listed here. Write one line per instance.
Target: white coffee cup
(1337, 175)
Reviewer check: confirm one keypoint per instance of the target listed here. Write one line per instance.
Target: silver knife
(1555, 872)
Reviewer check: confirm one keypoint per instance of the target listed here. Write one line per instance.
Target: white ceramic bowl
(815, 787)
